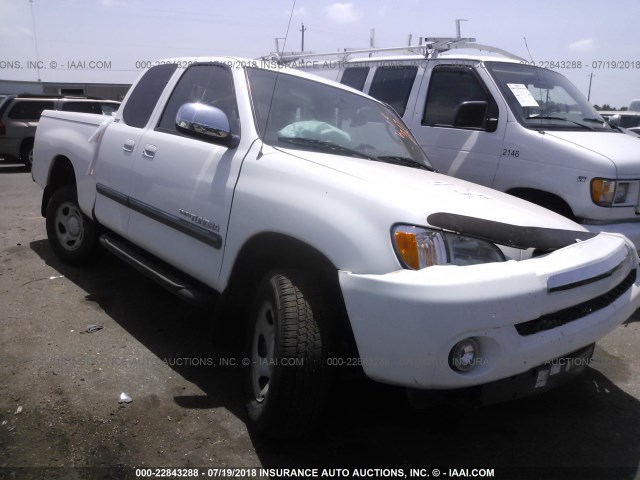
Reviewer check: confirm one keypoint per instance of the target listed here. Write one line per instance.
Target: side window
(208, 84)
(392, 85)
(29, 110)
(143, 99)
(449, 88)
(355, 77)
(85, 107)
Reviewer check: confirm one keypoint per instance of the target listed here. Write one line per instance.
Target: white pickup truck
(311, 213)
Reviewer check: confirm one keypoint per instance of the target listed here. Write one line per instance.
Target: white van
(500, 121)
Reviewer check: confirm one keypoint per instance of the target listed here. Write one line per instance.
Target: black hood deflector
(506, 234)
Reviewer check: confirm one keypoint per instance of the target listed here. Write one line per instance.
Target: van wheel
(26, 154)
(289, 343)
(72, 235)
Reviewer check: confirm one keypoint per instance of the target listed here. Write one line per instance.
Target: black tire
(288, 381)
(72, 235)
(26, 153)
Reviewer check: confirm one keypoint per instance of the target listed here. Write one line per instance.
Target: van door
(459, 123)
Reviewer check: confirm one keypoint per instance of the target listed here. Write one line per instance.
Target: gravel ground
(60, 416)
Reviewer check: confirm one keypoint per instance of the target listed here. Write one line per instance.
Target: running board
(164, 275)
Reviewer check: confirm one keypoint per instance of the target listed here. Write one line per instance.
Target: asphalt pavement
(74, 339)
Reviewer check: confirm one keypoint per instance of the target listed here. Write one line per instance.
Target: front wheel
(72, 235)
(289, 343)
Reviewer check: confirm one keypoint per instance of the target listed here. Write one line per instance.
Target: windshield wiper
(404, 161)
(548, 117)
(593, 120)
(324, 145)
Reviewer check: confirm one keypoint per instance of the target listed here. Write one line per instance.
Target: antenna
(527, 46)
(275, 83)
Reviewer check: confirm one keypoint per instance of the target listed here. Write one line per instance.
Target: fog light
(464, 355)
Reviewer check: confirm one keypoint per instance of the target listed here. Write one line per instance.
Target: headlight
(607, 193)
(419, 247)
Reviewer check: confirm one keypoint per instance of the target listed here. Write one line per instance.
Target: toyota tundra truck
(307, 214)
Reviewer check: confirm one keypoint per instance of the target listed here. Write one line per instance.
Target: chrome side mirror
(203, 120)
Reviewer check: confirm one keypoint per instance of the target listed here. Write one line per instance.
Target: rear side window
(392, 85)
(84, 107)
(355, 77)
(144, 97)
(29, 110)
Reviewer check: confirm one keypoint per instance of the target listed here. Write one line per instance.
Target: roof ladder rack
(429, 47)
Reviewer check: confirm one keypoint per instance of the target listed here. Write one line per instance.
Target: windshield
(309, 115)
(542, 98)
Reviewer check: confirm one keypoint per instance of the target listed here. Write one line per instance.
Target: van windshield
(542, 98)
(307, 115)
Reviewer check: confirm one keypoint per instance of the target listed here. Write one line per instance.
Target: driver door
(182, 184)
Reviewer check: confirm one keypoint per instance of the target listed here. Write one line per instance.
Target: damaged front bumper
(520, 314)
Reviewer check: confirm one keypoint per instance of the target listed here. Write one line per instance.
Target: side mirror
(203, 121)
(614, 121)
(470, 114)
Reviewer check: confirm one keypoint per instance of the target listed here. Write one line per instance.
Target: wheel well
(268, 251)
(61, 174)
(547, 200)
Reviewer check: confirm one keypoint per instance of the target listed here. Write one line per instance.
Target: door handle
(128, 146)
(149, 151)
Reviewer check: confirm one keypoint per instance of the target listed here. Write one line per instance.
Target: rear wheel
(72, 235)
(289, 343)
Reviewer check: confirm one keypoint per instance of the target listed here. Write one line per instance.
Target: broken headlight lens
(419, 247)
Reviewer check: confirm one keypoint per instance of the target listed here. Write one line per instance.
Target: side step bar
(166, 276)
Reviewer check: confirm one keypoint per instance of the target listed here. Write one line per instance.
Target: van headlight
(607, 193)
(419, 247)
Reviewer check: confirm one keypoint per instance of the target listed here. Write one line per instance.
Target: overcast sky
(123, 34)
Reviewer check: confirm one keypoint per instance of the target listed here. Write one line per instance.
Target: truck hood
(428, 192)
(621, 149)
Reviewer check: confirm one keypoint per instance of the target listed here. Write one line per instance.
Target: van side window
(207, 84)
(144, 97)
(392, 85)
(449, 89)
(355, 77)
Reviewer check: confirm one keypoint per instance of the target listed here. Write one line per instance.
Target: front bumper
(405, 323)
(631, 230)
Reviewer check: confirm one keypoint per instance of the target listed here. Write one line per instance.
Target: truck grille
(562, 317)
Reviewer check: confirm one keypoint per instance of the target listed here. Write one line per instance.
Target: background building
(102, 90)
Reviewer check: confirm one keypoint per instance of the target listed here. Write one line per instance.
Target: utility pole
(303, 29)
(35, 38)
(589, 94)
